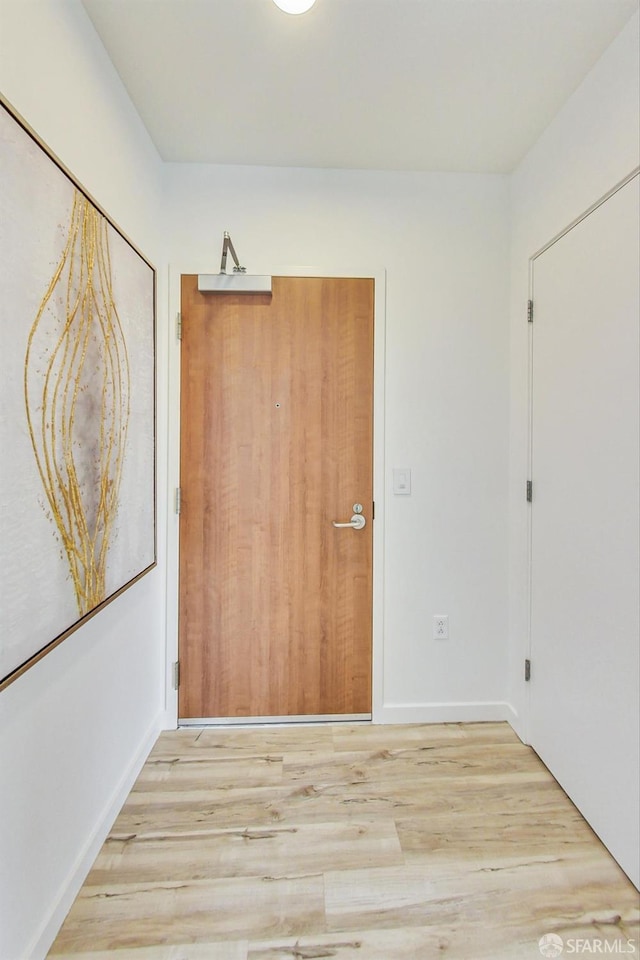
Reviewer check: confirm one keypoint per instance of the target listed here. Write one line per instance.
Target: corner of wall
(70, 887)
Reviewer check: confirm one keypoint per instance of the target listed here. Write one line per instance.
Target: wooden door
(277, 437)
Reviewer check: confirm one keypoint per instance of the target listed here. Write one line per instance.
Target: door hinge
(530, 311)
(176, 675)
(178, 499)
(529, 491)
(373, 510)
(179, 326)
(527, 670)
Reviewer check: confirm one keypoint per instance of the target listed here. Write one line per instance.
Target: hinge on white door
(527, 670)
(176, 675)
(373, 510)
(529, 491)
(179, 326)
(178, 499)
(530, 311)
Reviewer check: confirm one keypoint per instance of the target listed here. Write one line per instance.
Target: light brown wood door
(276, 444)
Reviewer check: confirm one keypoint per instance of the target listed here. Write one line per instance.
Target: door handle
(357, 522)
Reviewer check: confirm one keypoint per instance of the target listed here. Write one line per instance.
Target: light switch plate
(402, 481)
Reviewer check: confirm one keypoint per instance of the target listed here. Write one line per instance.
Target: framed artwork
(77, 404)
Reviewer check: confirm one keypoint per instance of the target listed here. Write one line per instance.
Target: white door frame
(524, 726)
(378, 274)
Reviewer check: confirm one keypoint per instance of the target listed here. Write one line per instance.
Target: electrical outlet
(441, 626)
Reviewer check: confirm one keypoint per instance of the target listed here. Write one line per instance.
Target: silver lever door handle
(357, 522)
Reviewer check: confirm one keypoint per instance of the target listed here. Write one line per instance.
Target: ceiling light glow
(294, 6)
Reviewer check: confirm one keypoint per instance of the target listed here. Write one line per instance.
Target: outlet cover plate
(441, 626)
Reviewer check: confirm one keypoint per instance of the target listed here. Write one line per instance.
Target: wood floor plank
(352, 737)
(220, 950)
(473, 942)
(347, 841)
(434, 762)
(231, 742)
(276, 851)
(198, 773)
(144, 914)
(549, 895)
(399, 943)
(532, 828)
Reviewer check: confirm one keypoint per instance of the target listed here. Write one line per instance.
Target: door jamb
(378, 274)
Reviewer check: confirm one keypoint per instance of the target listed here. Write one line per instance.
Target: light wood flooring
(355, 842)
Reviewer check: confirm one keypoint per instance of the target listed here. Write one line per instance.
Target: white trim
(515, 722)
(586, 213)
(378, 274)
(464, 712)
(70, 887)
(526, 711)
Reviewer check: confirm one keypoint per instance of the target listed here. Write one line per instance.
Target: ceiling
(455, 85)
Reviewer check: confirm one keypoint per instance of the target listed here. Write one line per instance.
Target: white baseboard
(465, 712)
(517, 723)
(69, 890)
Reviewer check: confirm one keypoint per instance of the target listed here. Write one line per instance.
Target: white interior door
(585, 519)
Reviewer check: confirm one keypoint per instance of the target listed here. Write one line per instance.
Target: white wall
(590, 146)
(444, 243)
(75, 727)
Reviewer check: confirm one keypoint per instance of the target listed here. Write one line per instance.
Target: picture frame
(77, 403)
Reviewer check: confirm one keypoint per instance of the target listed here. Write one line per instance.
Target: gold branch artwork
(77, 387)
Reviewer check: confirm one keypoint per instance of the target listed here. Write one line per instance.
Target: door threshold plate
(254, 721)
